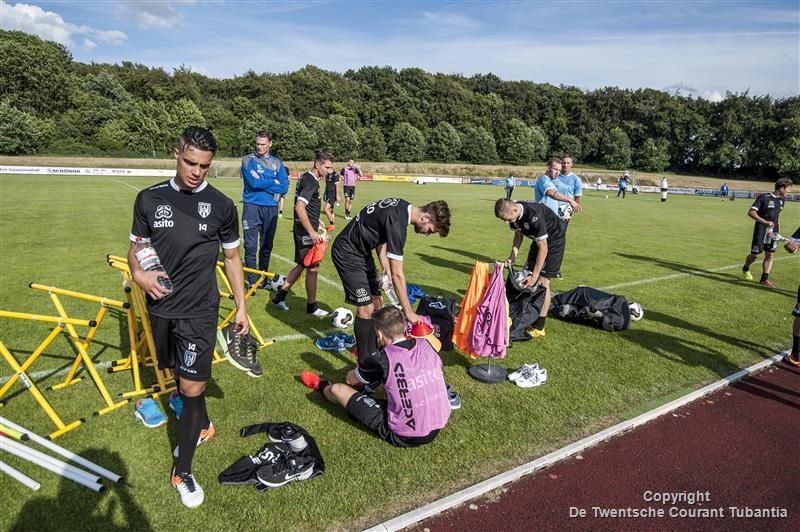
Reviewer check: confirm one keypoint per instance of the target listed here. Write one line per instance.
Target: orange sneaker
(310, 379)
(767, 283)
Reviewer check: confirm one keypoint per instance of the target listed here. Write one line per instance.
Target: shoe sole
(236, 365)
(140, 417)
(334, 349)
(302, 476)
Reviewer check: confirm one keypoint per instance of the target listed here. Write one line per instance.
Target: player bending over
(416, 406)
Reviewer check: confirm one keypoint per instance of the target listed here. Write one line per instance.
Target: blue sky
(700, 48)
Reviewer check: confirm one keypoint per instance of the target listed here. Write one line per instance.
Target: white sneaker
(283, 306)
(319, 313)
(537, 378)
(523, 372)
(192, 494)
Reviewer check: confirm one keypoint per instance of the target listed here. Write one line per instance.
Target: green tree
(406, 143)
(516, 143)
(372, 146)
(293, 141)
(540, 144)
(148, 127)
(18, 131)
(35, 75)
(653, 155)
(568, 144)
(617, 149)
(444, 143)
(113, 136)
(477, 145)
(336, 136)
(247, 132)
(184, 113)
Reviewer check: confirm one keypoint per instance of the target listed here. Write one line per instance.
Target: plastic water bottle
(388, 289)
(149, 261)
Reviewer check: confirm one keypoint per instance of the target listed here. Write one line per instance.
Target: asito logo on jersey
(163, 215)
(203, 209)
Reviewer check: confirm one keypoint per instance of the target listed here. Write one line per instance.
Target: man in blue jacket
(265, 180)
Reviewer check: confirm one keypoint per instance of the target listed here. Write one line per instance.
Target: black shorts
(555, 255)
(350, 192)
(330, 200)
(758, 245)
(796, 309)
(186, 344)
(373, 414)
(302, 244)
(358, 274)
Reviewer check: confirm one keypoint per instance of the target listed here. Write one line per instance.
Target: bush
(372, 146)
(653, 155)
(19, 133)
(406, 143)
(617, 149)
(478, 146)
(444, 143)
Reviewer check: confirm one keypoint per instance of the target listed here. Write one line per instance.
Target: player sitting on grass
(416, 405)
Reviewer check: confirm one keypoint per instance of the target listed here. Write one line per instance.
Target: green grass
(697, 328)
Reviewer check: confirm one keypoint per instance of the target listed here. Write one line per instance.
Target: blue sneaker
(349, 341)
(148, 412)
(330, 343)
(176, 404)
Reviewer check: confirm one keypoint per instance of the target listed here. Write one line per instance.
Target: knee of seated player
(340, 393)
(192, 388)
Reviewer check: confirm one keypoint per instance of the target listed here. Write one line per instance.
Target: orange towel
(469, 307)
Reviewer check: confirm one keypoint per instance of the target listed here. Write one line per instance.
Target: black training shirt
(768, 206)
(374, 370)
(330, 185)
(537, 221)
(381, 222)
(307, 191)
(186, 228)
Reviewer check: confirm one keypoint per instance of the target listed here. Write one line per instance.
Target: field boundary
(490, 484)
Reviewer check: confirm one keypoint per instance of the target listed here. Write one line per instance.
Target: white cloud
(682, 89)
(154, 14)
(451, 20)
(52, 26)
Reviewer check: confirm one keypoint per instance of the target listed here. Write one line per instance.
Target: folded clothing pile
(291, 454)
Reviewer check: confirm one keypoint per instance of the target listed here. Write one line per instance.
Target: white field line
(103, 365)
(680, 275)
(495, 482)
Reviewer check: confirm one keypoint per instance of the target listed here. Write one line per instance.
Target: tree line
(51, 103)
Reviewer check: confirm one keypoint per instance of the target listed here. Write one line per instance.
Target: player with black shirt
(765, 211)
(381, 226)
(186, 220)
(416, 406)
(306, 232)
(539, 223)
(331, 196)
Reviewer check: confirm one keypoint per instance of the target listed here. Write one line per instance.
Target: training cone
(423, 330)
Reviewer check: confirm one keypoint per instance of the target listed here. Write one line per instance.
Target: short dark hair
(500, 205)
(390, 321)
(783, 182)
(553, 160)
(322, 156)
(440, 216)
(199, 137)
(264, 134)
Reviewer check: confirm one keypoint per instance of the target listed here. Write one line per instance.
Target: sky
(700, 48)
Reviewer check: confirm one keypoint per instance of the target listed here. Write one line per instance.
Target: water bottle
(149, 262)
(388, 289)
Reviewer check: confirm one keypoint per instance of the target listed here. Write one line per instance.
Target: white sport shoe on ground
(523, 372)
(319, 313)
(536, 378)
(192, 494)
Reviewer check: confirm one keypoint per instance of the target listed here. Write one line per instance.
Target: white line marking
(103, 365)
(137, 189)
(495, 482)
(679, 275)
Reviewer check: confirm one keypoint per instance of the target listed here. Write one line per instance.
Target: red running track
(735, 448)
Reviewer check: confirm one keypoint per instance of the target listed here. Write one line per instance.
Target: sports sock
(322, 385)
(745, 268)
(364, 331)
(189, 426)
(347, 213)
(280, 296)
(539, 323)
(795, 347)
(764, 277)
(311, 307)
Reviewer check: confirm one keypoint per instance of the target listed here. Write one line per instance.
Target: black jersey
(330, 185)
(537, 221)
(374, 369)
(796, 234)
(186, 229)
(382, 222)
(769, 207)
(307, 191)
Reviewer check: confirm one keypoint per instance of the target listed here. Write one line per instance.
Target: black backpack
(591, 306)
(442, 312)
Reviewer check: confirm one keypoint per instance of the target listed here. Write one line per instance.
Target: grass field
(679, 259)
